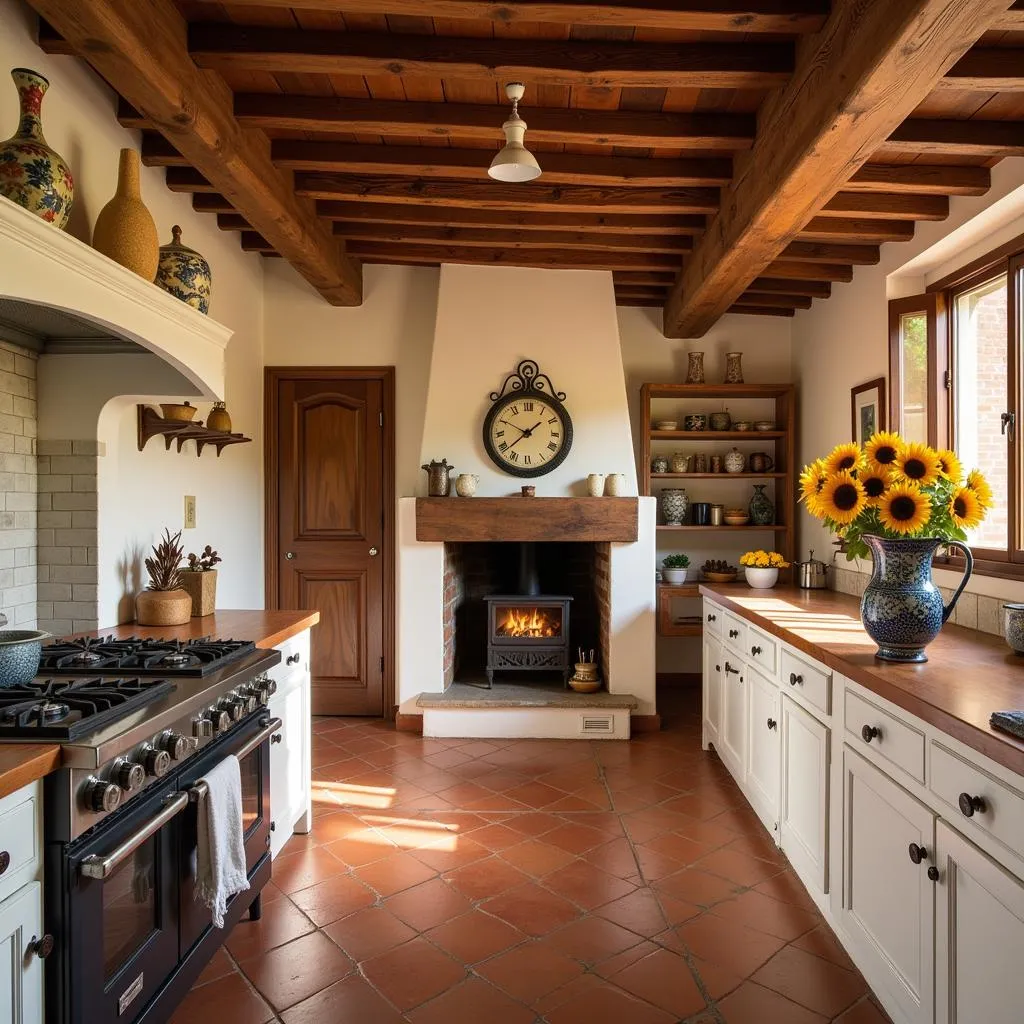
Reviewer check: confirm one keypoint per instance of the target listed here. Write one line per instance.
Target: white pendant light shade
(514, 162)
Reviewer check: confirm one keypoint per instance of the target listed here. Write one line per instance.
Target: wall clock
(527, 431)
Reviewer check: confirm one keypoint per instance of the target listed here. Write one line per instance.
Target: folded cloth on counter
(1009, 721)
(220, 853)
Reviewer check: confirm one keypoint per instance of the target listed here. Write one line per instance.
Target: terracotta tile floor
(520, 882)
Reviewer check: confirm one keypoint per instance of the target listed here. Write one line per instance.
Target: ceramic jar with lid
(720, 420)
(659, 464)
(735, 461)
(680, 463)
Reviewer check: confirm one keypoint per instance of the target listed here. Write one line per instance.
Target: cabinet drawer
(713, 616)
(294, 658)
(807, 680)
(19, 838)
(762, 650)
(877, 734)
(735, 634)
(996, 808)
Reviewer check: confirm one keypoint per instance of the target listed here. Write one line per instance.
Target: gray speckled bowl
(1013, 626)
(19, 655)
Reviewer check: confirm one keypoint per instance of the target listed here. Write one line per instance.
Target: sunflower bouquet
(763, 560)
(895, 489)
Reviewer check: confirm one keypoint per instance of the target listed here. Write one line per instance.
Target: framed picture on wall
(867, 408)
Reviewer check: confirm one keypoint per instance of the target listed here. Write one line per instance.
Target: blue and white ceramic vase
(31, 173)
(184, 273)
(674, 505)
(902, 609)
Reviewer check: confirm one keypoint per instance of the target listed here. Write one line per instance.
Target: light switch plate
(190, 511)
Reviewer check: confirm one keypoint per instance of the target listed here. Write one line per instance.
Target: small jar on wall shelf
(219, 419)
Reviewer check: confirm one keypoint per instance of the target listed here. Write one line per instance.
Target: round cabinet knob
(794, 679)
(755, 651)
(5, 861)
(917, 853)
(127, 774)
(733, 633)
(933, 873)
(41, 948)
(276, 738)
(156, 762)
(711, 618)
(870, 732)
(772, 724)
(176, 745)
(293, 659)
(969, 804)
(102, 796)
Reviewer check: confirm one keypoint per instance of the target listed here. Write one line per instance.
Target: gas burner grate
(142, 656)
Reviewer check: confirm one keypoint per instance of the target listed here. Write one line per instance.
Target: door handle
(373, 552)
(101, 867)
(289, 555)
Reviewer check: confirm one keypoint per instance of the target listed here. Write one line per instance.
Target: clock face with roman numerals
(528, 433)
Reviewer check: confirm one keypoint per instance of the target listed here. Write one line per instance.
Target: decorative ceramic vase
(465, 484)
(760, 578)
(31, 174)
(720, 420)
(696, 421)
(659, 464)
(761, 507)
(163, 607)
(1013, 626)
(202, 588)
(674, 504)
(184, 273)
(680, 463)
(700, 463)
(595, 484)
(219, 418)
(902, 609)
(735, 461)
(695, 369)
(125, 230)
(614, 485)
(733, 367)
(439, 478)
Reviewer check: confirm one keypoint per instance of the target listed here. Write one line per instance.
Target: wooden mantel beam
(142, 51)
(855, 82)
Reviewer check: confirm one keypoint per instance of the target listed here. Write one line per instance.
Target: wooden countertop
(22, 763)
(968, 674)
(267, 628)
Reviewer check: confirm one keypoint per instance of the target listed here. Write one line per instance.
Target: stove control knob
(127, 774)
(232, 707)
(156, 762)
(176, 745)
(101, 796)
(220, 719)
(266, 686)
(248, 699)
(202, 727)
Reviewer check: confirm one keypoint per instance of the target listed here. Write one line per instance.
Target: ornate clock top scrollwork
(527, 378)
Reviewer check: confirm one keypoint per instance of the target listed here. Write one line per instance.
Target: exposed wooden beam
(1012, 20)
(987, 69)
(946, 136)
(824, 229)
(815, 289)
(643, 277)
(188, 179)
(690, 16)
(740, 307)
(886, 205)
(444, 162)
(254, 242)
(630, 300)
(223, 46)
(211, 202)
(492, 195)
(232, 222)
(402, 118)
(140, 49)
(924, 179)
(809, 271)
(827, 252)
(780, 299)
(854, 83)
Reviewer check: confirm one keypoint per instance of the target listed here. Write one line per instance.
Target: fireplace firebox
(528, 633)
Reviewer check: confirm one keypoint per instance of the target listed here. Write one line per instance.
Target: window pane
(979, 356)
(914, 376)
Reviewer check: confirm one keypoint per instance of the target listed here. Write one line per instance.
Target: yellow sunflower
(874, 479)
(883, 447)
(979, 485)
(842, 498)
(811, 481)
(966, 509)
(949, 465)
(918, 463)
(904, 509)
(844, 458)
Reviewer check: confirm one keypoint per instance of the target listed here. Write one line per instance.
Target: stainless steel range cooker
(126, 939)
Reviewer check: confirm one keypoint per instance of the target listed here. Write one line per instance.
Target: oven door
(250, 742)
(119, 924)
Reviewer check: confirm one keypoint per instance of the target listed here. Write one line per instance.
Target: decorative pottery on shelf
(902, 609)
(680, 463)
(761, 579)
(202, 590)
(163, 607)
(595, 484)
(695, 368)
(466, 484)
(660, 464)
(184, 273)
(219, 418)
(720, 420)
(761, 507)
(735, 461)
(733, 367)
(125, 230)
(614, 485)
(674, 505)
(32, 174)
(1013, 626)
(439, 478)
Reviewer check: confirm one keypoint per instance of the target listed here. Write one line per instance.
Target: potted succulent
(200, 580)
(163, 602)
(673, 569)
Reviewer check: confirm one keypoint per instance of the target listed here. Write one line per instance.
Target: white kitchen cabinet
(21, 971)
(979, 936)
(762, 761)
(804, 794)
(712, 691)
(732, 733)
(888, 905)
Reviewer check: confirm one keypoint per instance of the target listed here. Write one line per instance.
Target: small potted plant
(163, 602)
(200, 580)
(673, 569)
(762, 568)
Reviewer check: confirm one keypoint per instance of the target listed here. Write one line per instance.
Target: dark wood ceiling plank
(780, 299)
(741, 307)
(825, 252)
(987, 69)
(946, 136)
(642, 277)
(886, 205)
(812, 289)
(800, 271)
(924, 179)
(211, 203)
(854, 83)
(1012, 20)
(225, 47)
(140, 49)
(824, 229)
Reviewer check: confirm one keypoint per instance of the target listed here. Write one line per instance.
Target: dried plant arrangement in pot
(200, 580)
(164, 602)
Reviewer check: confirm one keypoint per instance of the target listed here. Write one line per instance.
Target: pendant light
(514, 162)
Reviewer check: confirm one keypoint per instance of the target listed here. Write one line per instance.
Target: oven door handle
(101, 867)
(199, 790)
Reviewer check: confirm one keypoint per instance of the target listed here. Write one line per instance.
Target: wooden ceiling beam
(886, 205)
(211, 202)
(642, 278)
(232, 222)
(1012, 20)
(188, 179)
(402, 118)
(534, 220)
(443, 162)
(830, 252)
(778, 299)
(825, 229)
(924, 179)
(493, 195)
(809, 271)
(140, 49)
(224, 46)
(986, 69)
(855, 82)
(789, 16)
(749, 310)
(919, 135)
(814, 289)
(254, 242)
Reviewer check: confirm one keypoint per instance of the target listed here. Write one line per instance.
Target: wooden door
(330, 534)
(763, 747)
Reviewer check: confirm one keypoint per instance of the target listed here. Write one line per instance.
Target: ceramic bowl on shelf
(695, 421)
(183, 413)
(764, 425)
(719, 577)
(742, 425)
(736, 517)
(666, 425)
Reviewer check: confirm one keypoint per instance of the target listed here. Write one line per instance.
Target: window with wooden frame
(955, 382)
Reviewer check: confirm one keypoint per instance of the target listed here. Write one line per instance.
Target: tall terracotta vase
(125, 230)
(31, 174)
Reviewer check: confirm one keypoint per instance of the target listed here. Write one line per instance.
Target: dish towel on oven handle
(220, 853)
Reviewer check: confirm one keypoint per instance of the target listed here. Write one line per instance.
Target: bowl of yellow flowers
(762, 568)
(898, 501)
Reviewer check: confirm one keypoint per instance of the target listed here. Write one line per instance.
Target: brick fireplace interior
(474, 571)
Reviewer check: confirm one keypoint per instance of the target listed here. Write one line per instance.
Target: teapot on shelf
(439, 478)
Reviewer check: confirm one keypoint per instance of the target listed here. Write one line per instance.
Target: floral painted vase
(674, 505)
(31, 174)
(902, 609)
(761, 508)
(184, 273)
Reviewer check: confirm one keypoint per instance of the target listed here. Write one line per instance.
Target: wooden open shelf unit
(152, 424)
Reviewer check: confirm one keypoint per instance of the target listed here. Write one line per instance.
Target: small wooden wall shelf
(152, 424)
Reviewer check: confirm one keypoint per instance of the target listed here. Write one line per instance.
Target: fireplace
(527, 634)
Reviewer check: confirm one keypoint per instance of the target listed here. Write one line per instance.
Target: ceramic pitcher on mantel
(439, 478)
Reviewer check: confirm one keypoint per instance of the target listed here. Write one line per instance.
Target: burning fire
(521, 622)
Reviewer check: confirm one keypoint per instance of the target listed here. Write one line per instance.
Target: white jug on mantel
(615, 485)
(465, 484)
(595, 485)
